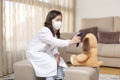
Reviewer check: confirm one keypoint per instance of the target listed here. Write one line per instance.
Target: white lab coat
(41, 50)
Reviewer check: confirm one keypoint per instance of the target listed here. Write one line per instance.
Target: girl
(42, 51)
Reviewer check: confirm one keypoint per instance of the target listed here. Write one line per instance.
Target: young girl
(42, 51)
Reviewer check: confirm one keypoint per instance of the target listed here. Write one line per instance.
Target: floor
(109, 70)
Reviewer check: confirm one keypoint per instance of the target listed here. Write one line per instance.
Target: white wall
(95, 8)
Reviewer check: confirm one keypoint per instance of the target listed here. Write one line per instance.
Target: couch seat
(109, 50)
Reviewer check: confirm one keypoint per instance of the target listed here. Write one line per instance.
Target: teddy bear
(88, 57)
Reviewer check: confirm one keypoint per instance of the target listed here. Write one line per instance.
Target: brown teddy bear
(89, 55)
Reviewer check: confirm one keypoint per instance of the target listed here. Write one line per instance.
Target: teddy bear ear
(86, 45)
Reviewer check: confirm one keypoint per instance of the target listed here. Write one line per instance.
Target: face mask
(57, 24)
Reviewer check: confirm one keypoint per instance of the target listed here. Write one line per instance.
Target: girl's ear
(86, 45)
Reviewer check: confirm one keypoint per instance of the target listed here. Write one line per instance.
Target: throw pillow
(89, 30)
(108, 37)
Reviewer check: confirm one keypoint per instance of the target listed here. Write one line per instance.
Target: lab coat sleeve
(55, 51)
(46, 36)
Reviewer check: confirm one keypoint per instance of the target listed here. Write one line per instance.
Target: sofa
(107, 32)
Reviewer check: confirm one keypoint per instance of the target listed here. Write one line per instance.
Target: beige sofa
(108, 52)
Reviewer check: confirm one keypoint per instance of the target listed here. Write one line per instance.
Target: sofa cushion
(108, 37)
(73, 49)
(89, 30)
(109, 50)
(117, 23)
(67, 35)
(103, 24)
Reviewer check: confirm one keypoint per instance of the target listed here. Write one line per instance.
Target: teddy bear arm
(82, 57)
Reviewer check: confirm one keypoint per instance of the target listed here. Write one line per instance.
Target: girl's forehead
(58, 17)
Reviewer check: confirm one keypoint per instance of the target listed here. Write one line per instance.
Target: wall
(94, 9)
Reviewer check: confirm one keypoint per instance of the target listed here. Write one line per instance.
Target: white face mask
(57, 24)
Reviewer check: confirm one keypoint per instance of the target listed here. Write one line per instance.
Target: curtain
(1, 40)
(20, 20)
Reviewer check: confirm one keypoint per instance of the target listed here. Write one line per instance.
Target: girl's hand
(57, 57)
(75, 39)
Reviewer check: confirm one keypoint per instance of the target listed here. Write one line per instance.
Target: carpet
(101, 77)
(109, 77)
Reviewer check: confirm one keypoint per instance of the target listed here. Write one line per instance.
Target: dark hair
(48, 23)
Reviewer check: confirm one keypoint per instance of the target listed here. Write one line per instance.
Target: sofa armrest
(62, 51)
(66, 52)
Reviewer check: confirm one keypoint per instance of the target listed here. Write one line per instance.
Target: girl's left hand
(57, 57)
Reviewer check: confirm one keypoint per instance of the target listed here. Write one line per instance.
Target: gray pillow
(108, 37)
(92, 30)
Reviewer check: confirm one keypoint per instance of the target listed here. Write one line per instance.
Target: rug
(109, 77)
(101, 77)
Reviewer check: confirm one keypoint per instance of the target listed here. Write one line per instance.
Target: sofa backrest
(117, 23)
(103, 24)
(108, 28)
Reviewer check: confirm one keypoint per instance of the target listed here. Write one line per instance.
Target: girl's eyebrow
(58, 19)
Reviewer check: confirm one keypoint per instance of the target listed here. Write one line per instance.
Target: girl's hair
(48, 22)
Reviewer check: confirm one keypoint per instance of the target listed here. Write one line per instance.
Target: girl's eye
(58, 20)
